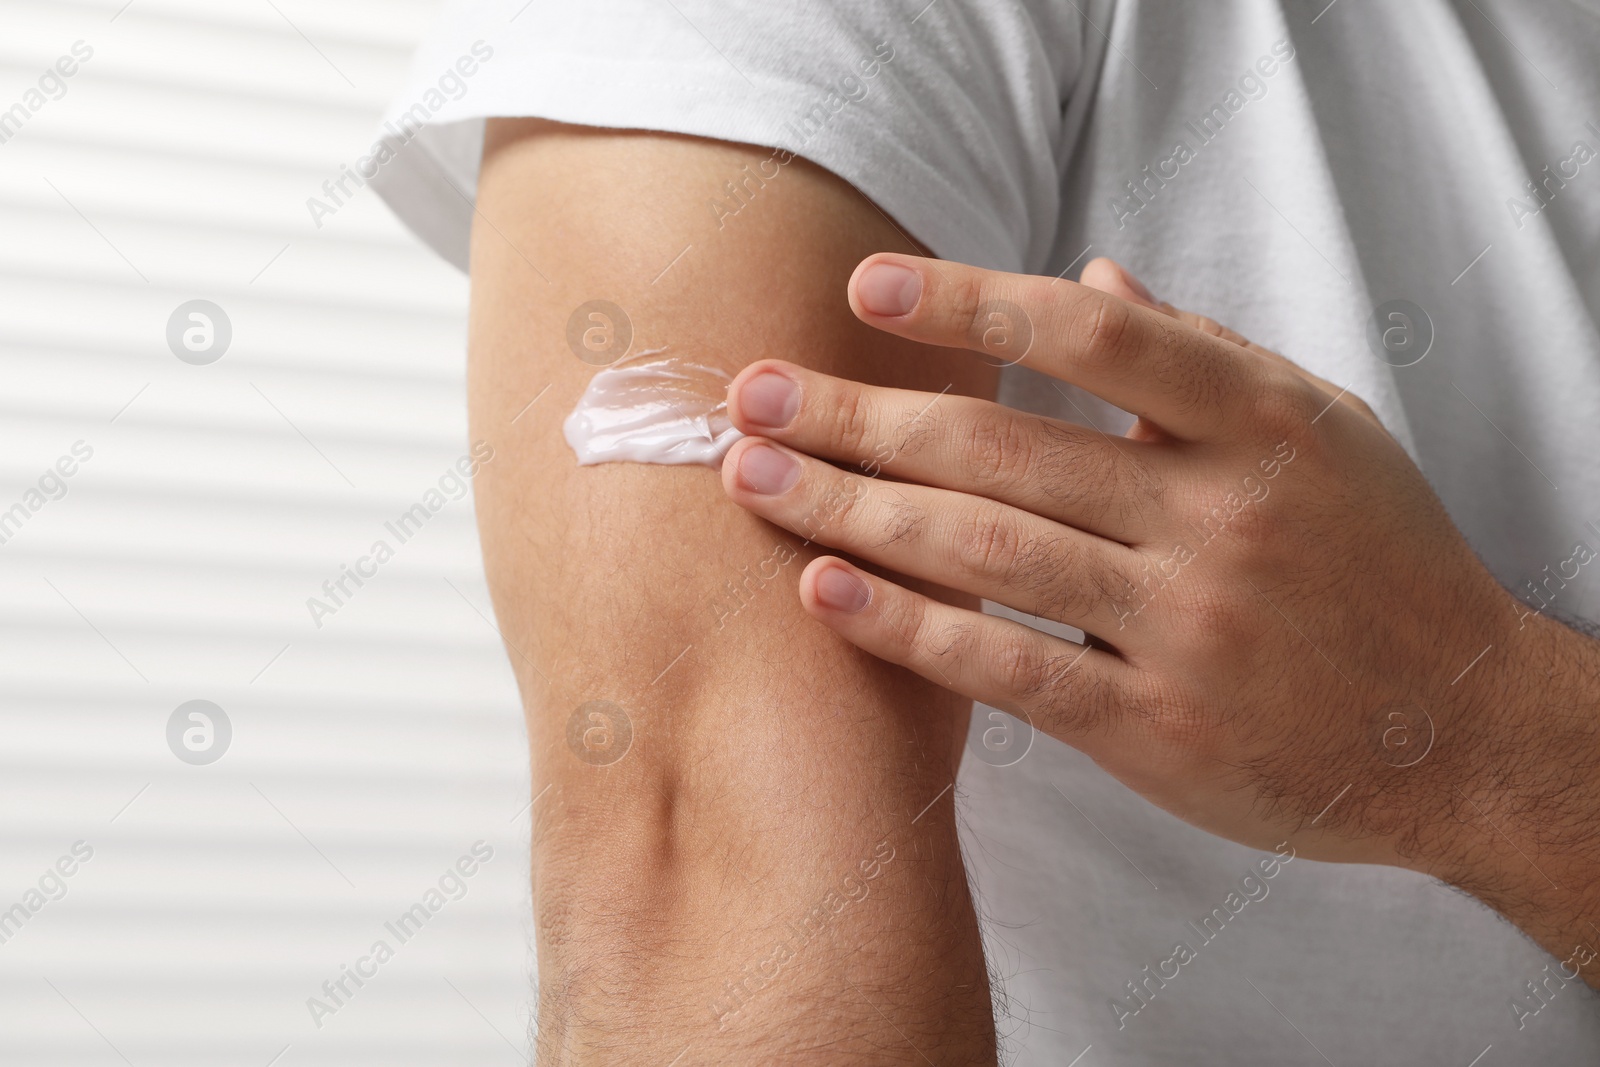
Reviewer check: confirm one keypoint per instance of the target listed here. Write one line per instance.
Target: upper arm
(768, 756)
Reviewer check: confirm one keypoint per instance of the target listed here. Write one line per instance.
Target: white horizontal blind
(367, 755)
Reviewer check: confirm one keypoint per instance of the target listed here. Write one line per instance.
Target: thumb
(1109, 276)
(1112, 278)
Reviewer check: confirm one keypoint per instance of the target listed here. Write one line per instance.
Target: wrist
(1522, 830)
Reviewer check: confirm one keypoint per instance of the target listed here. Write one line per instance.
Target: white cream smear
(653, 408)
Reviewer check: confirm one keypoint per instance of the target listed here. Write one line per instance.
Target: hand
(1287, 636)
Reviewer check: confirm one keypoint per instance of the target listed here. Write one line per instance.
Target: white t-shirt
(1288, 167)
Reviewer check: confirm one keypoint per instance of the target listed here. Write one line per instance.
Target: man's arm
(1524, 836)
(1434, 722)
(770, 873)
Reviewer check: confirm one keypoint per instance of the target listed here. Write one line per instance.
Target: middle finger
(962, 542)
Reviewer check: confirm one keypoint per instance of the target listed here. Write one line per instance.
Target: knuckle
(962, 300)
(1235, 516)
(1223, 625)
(1068, 699)
(997, 448)
(1286, 405)
(848, 493)
(983, 543)
(1101, 328)
(851, 419)
(835, 514)
(1052, 575)
(907, 619)
(1017, 668)
(921, 634)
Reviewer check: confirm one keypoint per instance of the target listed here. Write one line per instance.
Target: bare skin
(768, 870)
(1290, 639)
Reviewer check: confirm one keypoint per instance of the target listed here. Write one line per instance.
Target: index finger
(1191, 384)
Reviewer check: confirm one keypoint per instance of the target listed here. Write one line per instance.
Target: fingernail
(1138, 287)
(765, 470)
(889, 289)
(769, 399)
(840, 590)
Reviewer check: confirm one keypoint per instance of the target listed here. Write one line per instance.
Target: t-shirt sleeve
(947, 115)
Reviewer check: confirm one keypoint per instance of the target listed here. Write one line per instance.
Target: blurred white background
(366, 755)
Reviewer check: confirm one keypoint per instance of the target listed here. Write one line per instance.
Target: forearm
(771, 869)
(1524, 832)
